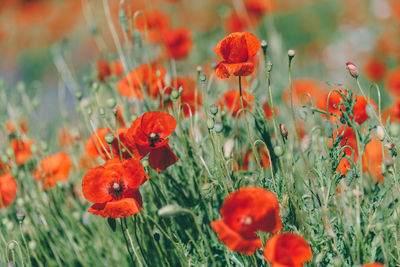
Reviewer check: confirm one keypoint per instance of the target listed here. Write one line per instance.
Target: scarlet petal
(95, 185)
(134, 173)
(222, 71)
(253, 44)
(287, 249)
(117, 209)
(8, 189)
(236, 69)
(161, 158)
(158, 122)
(235, 241)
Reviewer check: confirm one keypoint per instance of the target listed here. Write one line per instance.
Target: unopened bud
(109, 138)
(95, 86)
(174, 95)
(169, 210)
(111, 103)
(203, 77)
(79, 95)
(284, 130)
(20, 216)
(264, 46)
(180, 90)
(218, 127)
(89, 111)
(380, 133)
(213, 109)
(353, 70)
(11, 246)
(199, 69)
(278, 150)
(389, 146)
(145, 163)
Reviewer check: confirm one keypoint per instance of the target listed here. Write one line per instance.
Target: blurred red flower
(231, 100)
(113, 187)
(287, 250)
(244, 212)
(22, 150)
(238, 50)
(393, 81)
(8, 189)
(375, 69)
(149, 133)
(178, 42)
(54, 168)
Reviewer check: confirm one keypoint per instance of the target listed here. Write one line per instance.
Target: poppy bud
(389, 146)
(278, 150)
(145, 163)
(111, 103)
(169, 210)
(34, 148)
(180, 90)
(394, 129)
(269, 66)
(109, 138)
(20, 216)
(95, 87)
(210, 123)
(203, 77)
(79, 95)
(264, 46)
(156, 234)
(11, 246)
(174, 95)
(213, 109)
(35, 102)
(89, 111)
(284, 130)
(199, 69)
(306, 143)
(353, 70)
(291, 53)
(218, 127)
(380, 133)
(102, 112)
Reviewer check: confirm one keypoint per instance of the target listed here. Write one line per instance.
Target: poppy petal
(134, 173)
(235, 241)
(95, 185)
(161, 158)
(158, 122)
(117, 209)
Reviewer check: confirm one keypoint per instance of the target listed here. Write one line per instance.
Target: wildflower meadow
(187, 133)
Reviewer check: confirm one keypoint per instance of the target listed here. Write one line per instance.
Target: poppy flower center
(154, 138)
(247, 220)
(116, 189)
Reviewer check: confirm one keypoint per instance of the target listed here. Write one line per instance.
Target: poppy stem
(129, 242)
(202, 235)
(248, 127)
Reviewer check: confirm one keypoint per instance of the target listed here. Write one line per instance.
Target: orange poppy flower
(10, 126)
(156, 22)
(8, 189)
(106, 69)
(349, 140)
(287, 250)
(178, 42)
(260, 7)
(393, 81)
(96, 143)
(113, 187)
(149, 133)
(393, 112)
(372, 160)
(149, 78)
(375, 69)
(238, 49)
(235, 23)
(22, 150)
(375, 264)
(54, 168)
(231, 100)
(303, 89)
(244, 212)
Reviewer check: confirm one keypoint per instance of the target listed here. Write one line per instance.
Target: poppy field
(199, 133)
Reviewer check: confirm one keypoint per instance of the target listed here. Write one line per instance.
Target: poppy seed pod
(109, 138)
(111, 103)
(352, 68)
(102, 112)
(291, 53)
(213, 109)
(218, 127)
(278, 150)
(20, 216)
(202, 77)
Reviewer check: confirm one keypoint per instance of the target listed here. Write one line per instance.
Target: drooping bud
(352, 68)
(389, 161)
(380, 133)
(284, 131)
(169, 210)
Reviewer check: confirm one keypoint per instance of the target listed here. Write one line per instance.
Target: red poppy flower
(144, 77)
(392, 111)
(244, 212)
(303, 89)
(287, 250)
(8, 189)
(373, 265)
(10, 126)
(236, 23)
(22, 150)
(231, 100)
(349, 140)
(149, 133)
(120, 117)
(105, 69)
(393, 81)
(372, 160)
(375, 69)
(54, 168)
(178, 42)
(113, 187)
(238, 50)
